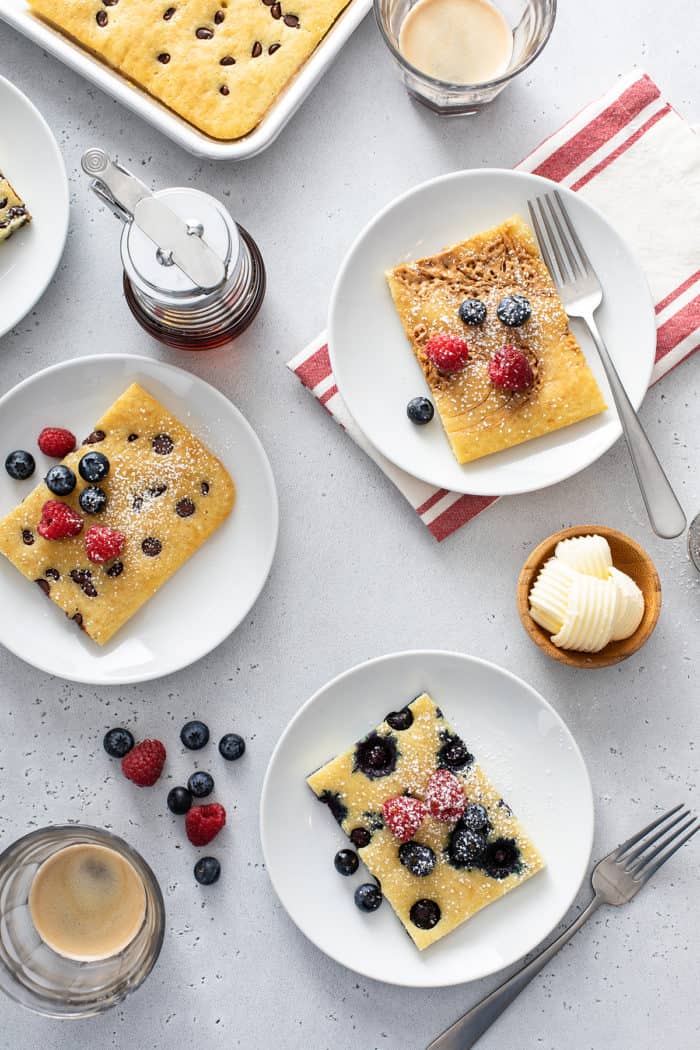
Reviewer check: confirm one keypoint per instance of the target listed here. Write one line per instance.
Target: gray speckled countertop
(357, 575)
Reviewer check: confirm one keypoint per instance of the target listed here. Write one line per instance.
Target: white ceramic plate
(32, 161)
(209, 595)
(377, 373)
(19, 15)
(524, 747)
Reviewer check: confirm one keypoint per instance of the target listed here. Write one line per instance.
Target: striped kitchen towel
(633, 157)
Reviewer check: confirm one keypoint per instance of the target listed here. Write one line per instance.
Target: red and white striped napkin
(633, 157)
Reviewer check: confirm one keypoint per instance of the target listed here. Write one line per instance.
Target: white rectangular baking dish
(18, 14)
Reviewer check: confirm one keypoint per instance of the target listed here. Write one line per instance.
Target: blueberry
(93, 500)
(501, 858)
(94, 466)
(335, 804)
(465, 847)
(60, 480)
(368, 897)
(207, 870)
(231, 746)
(201, 784)
(514, 310)
(376, 756)
(179, 800)
(454, 754)
(419, 859)
(360, 837)
(425, 914)
(420, 410)
(472, 311)
(346, 861)
(194, 735)
(20, 465)
(118, 742)
(476, 818)
(399, 720)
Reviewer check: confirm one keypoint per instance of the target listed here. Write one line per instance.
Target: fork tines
(673, 828)
(563, 252)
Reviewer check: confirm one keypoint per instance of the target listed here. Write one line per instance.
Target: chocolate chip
(257, 49)
(184, 508)
(27, 537)
(95, 437)
(163, 444)
(3, 202)
(276, 10)
(137, 503)
(78, 619)
(268, 3)
(219, 17)
(205, 488)
(16, 211)
(164, 57)
(292, 21)
(115, 569)
(360, 837)
(156, 490)
(83, 577)
(132, 437)
(110, 3)
(227, 60)
(223, 90)
(4, 224)
(204, 33)
(45, 586)
(101, 18)
(168, 13)
(151, 547)
(272, 48)
(53, 574)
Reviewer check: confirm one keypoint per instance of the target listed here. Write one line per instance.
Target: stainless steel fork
(615, 880)
(581, 293)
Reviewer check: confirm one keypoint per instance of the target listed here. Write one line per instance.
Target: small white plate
(526, 750)
(31, 160)
(209, 595)
(377, 373)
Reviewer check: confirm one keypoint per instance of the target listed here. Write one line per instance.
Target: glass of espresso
(81, 920)
(456, 55)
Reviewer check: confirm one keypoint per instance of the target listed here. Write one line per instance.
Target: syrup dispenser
(193, 278)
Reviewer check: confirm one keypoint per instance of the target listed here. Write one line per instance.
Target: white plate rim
(317, 697)
(221, 636)
(60, 243)
(467, 487)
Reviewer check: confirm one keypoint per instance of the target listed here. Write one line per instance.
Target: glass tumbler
(31, 972)
(531, 22)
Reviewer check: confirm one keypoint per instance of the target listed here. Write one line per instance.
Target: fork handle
(465, 1032)
(665, 512)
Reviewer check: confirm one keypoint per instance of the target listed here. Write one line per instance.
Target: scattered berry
(231, 746)
(425, 914)
(144, 763)
(118, 742)
(360, 837)
(472, 311)
(476, 817)
(501, 858)
(346, 862)
(20, 465)
(368, 897)
(207, 870)
(403, 816)
(419, 859)
(194, 735)
(449, 353)
(509, 369)
(400, 720)
(58, 521)
(93, 500)
(56, 442)
(103, 544)
(179, 800)
(444, 796)
(201, 784)
(203, 823)
(465, 847)
(93, 466)
(376, 756)
(514, 310)
(420, 410)
(454, 753)
(60, 480)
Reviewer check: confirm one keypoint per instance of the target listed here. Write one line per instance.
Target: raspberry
(509, 369)
(58, 520)
(445, 796)
(449, 353)
(203, 823)
(144, 763)
(102, 543)
(403, 816)
(56, 442)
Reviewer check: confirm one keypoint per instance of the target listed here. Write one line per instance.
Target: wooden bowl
(628, 557)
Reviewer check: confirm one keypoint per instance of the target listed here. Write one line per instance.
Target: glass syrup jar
(193, 278)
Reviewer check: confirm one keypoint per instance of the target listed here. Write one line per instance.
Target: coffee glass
(36, 976)
(531, 22)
